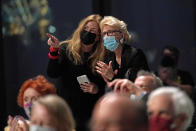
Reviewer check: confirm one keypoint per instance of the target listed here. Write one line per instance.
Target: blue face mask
(110, 43)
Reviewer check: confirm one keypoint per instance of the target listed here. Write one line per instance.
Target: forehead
(40, 113)
(167, 52)
(113, 110)
(108, 27)
(160, 103)
(93, 24)
(144, 79)
(30, 91)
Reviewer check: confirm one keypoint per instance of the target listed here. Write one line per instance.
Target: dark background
(154, 24)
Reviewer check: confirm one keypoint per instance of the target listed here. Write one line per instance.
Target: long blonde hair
(74, 44)
(112, 21)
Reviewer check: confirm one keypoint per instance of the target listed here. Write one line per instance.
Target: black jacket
(68, 87)
(132, 60)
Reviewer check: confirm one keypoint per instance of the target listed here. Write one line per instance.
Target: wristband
(52, 49)
(53, 57)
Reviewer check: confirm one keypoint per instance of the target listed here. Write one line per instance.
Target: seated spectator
(169, 109)
(52, 113)
(144, 83)
(169, 72)
(29, 92)
(171, 75)
(115, 112)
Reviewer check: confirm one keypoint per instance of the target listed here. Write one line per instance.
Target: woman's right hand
(53, 41)
(15, 125)
(123, 86)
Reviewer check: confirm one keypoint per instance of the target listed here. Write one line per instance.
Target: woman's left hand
(89, 87)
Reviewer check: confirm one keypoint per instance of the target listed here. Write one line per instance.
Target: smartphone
(83, 79)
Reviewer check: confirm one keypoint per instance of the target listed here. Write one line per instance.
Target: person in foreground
(51, 113)
(169, 109)
(115, 112)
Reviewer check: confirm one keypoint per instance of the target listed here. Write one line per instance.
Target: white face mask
(40, 128)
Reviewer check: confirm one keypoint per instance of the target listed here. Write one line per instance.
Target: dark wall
(154, 24)
(157, 23)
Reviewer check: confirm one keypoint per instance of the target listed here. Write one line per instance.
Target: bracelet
(53, 57)
(52, 49)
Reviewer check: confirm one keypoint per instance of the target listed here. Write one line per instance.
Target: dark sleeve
(138, 62)
(54, 67)
(186, 78)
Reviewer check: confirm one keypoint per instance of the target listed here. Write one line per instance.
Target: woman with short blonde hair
(123, 60)
(121, 25)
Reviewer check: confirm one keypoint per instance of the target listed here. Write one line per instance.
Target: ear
(179, 120)
(123, 35)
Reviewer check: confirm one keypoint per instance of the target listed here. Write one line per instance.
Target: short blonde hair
(112, 21)
(59, 109)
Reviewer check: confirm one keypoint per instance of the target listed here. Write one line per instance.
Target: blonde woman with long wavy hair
(76, 57)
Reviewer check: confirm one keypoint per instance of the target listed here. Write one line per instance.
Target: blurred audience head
(33, 88)
(52, 113)
(115, 112)
(147, 80)
(170, 56)
(169, 109)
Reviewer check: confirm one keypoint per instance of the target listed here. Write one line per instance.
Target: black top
(132, 60)
(68, 87)
(185, 77)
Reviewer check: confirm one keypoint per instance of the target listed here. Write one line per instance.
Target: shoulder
(132, 50)
(183, 73)
(64, 46)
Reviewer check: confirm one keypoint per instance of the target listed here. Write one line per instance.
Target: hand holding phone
(83, 79)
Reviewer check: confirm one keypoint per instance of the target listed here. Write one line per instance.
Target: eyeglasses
(110, 33)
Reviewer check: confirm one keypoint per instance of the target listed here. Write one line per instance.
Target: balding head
(118, 113)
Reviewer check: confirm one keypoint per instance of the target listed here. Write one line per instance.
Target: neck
(87, 48)
(118, 51)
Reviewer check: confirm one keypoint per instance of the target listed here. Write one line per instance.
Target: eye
(93, 31)
(85, 28)
(34, 98)
(26, 99)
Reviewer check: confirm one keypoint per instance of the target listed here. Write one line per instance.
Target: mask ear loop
(122, 39)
